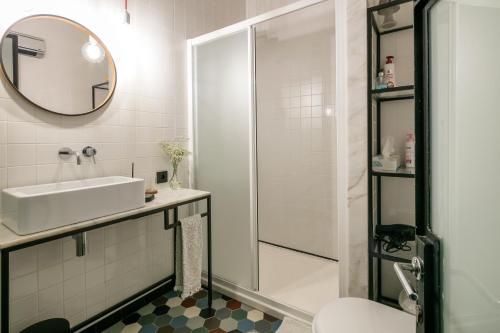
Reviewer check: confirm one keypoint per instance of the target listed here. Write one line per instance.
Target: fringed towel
(189, 253)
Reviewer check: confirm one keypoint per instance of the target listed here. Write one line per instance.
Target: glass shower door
(296, 130)
(223, 132)
(465, 155)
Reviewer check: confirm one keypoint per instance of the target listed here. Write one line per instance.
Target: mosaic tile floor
(169, 313)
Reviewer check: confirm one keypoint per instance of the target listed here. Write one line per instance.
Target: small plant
(176, 153)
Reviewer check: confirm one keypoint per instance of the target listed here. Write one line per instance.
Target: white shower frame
(340, 113)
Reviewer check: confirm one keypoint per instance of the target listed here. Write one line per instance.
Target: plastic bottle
(380, 84)
(410, 150)
(389, 72)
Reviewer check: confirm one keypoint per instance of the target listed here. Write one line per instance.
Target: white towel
(189, 252)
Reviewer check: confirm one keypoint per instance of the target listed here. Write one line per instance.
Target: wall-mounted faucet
(89, 152)
(66, 153)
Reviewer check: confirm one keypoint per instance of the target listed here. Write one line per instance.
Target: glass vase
(174, 182)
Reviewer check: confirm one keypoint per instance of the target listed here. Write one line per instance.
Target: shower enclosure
(263, 123)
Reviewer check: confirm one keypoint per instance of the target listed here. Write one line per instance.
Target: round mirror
(58, 65)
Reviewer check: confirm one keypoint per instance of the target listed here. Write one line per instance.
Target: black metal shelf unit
(376, 97)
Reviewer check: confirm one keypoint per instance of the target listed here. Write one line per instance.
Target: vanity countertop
(164, 198)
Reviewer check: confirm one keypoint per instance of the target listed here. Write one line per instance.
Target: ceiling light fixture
(126, 14)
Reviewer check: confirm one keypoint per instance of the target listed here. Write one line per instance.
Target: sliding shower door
(296, 130)
(223, 132)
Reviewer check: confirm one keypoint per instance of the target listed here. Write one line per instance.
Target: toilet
(358, 315)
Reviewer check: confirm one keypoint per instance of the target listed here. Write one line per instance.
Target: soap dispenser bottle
(389, 72)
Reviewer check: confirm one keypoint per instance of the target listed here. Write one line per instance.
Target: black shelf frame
(377, 97)
(169, 280)
(396, 174)
(390, 90)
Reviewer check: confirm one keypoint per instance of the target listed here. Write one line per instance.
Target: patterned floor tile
(171, 314)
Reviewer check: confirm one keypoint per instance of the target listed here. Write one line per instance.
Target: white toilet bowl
(358, 315)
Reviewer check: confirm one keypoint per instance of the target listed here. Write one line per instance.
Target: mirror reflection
(58, 65)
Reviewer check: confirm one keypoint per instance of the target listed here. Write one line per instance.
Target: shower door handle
(416, 267)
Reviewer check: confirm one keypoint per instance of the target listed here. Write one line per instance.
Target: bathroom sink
(36, 208)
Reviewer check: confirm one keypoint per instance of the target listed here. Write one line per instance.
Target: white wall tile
(50, 298)
(49, 254)
(23, 262)
(21, 176)
(21, 132)
(96, 295)
(24, 309)
(74, 286)
(23, 286)
(48, 173)
(95, 277)
(74, 306)
(19, 155)
(47, 153)
(74, 266)
(92, 310)
(47, 133)
(49, 276)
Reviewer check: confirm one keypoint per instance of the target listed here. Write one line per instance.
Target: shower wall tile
(297, 132)
(257, 7)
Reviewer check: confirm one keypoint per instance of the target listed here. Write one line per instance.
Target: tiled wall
(48, 280)
(149, 105)
(296, 142)
(257, 7)
(209, 15)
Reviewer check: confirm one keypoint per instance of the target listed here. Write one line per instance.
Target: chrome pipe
(81, 244)
(398, 268)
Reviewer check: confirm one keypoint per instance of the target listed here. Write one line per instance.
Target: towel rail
(168, 225)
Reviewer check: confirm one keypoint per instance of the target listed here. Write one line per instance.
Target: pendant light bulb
(92, 51)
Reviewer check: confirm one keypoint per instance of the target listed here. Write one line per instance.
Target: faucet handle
(89, 152)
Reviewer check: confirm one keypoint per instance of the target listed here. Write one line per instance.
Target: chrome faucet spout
(65, 153)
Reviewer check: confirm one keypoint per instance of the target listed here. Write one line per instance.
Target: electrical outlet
(161, 177)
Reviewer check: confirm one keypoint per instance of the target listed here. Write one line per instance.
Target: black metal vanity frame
(5, 271)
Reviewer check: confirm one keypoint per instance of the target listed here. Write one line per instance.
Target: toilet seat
(358, 315)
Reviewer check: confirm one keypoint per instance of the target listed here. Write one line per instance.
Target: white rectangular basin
(36, 208)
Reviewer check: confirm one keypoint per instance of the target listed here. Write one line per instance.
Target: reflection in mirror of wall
(58, 65)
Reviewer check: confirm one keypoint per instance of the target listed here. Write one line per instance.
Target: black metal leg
(166, 219)
(209, 249)
(176, 220)
(5, 292)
